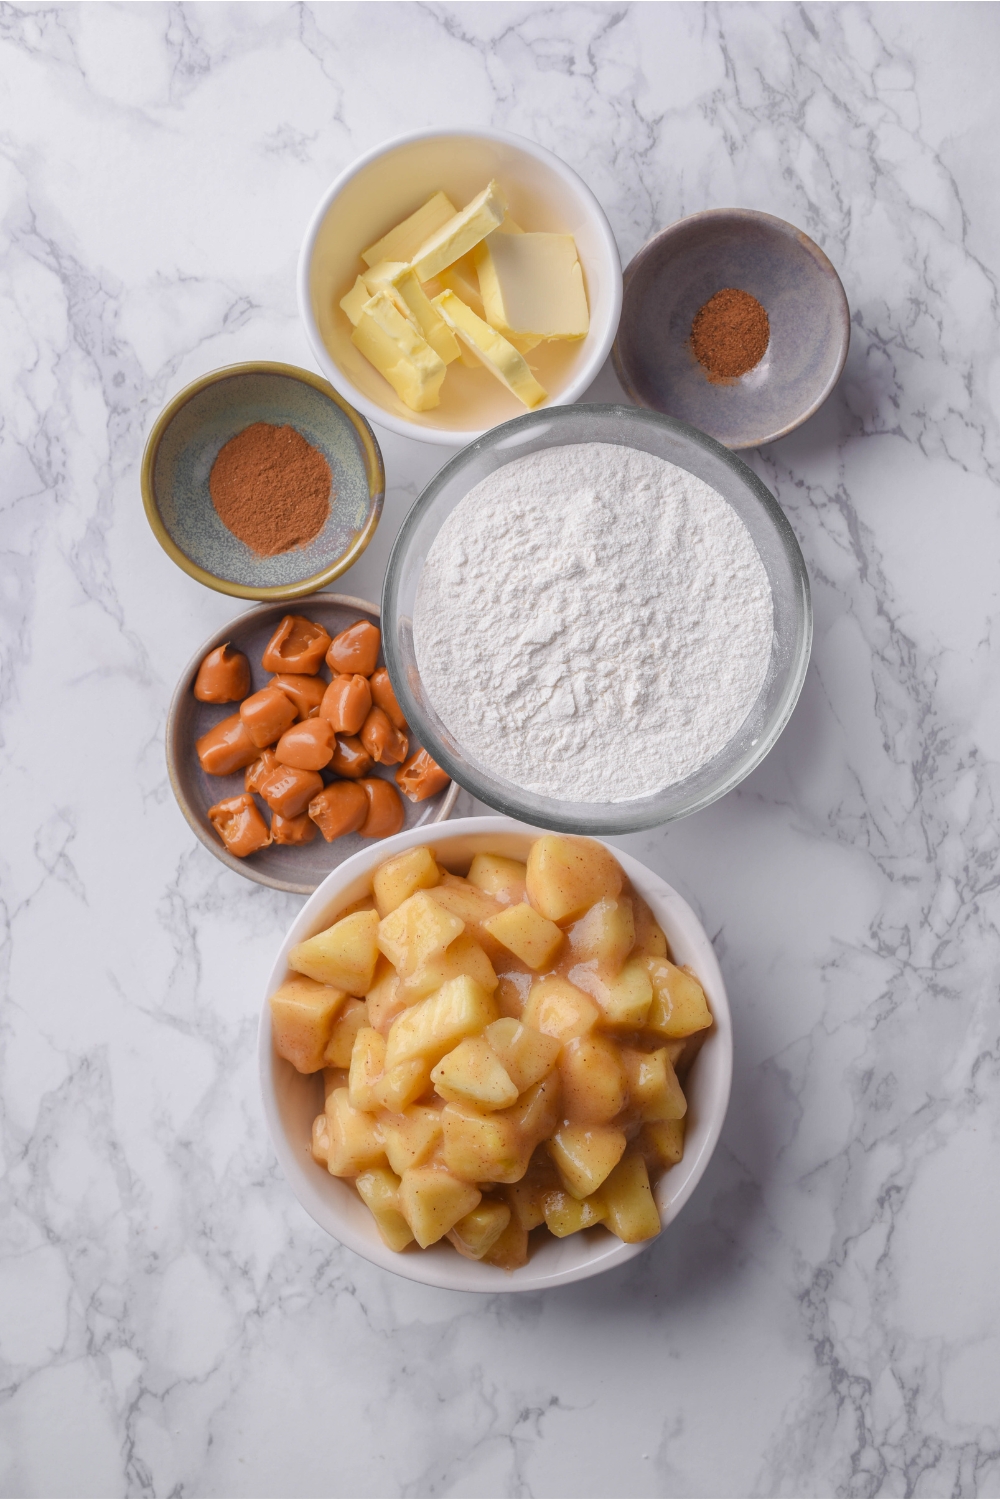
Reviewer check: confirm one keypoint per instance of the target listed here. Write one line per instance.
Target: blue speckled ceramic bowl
(674, 275)
(183, 446)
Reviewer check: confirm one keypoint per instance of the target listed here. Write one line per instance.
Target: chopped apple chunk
(530, 937)
(344, 955)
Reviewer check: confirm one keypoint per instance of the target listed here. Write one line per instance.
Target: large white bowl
(292, 1100)
(386, 185)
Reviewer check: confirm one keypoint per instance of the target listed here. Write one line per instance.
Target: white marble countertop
(824, 1318)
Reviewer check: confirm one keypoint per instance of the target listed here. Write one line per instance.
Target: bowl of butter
(452, 280)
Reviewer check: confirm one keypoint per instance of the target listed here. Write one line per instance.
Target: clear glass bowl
(689, 449)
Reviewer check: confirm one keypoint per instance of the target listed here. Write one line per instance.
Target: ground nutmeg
(271, 488)
(730, 334)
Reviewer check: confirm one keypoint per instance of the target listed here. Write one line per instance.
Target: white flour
(593, 623)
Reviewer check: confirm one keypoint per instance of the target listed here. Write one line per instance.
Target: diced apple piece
(303, 1012)
(432, 1201)
(594, 1086)
(400, 1086)
(649, 935)
(530, 937)
(343, 955)
(566, 876)
(367, 1064)
(416, 931)
(355, 1138)
(632, 1212)
(559, 1009)
(565, 1214)
(345, 1028)
(511, 1250)
(464, 956)
(401, 877)
(652, 1085)
(320, 1145)
(384, 999)
(605, 935)
(585, 1154)
(476, 1234)
(473, 1074)
(679, 1005)
(527, 1196)
(465, 900)
(411, 1137)
(625, 999)
(460, 1008)
(536, 1113)
(527, 1055)
(662, 1142)
(500, 877)
(483, 1148)
(379, 1190)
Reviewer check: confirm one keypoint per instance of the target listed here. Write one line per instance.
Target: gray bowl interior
(690, 450)
(191, 443)
(286, 867)
(679, 270)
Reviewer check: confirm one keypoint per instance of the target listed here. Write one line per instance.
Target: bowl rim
(196, 823)
(458, 1276)
(469, 775)
(787, 230)
(374, 473)
(442, 436)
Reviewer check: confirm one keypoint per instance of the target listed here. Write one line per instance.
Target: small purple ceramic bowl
(678, 270)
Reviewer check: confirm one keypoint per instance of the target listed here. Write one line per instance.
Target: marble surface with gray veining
(824, 1318)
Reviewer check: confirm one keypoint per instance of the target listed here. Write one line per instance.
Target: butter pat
(400, 281)
(499, 356)
(399, 352)
(533, 284)
(355, 300)
(403, 242)
(461, 233)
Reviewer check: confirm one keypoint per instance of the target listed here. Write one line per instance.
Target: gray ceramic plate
(675, 274)
(183, 446)
(281, 865)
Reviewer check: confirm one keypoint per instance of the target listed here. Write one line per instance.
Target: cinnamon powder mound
(271, 488)
(730, 334)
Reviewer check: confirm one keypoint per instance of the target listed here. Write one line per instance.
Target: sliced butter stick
(403, 242)
(463, 279)
(499, 356)
(400, 353)
(400, 281)
(532, 284)
(462, 233)
(355, 300)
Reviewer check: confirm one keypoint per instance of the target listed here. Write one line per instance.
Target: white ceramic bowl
(386, 185)
(292, 1100)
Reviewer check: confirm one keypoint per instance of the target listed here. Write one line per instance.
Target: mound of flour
(593, 623)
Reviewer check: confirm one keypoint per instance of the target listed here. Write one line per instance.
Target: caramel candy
(238, 823)
(355, 649)
(305, 692)
(267, 715)
(346, 703)
(382, 739)
(384, 698)
(296, 646)
(420, 777)
(385, 810)
(226, 748)
(288, 791)
(300, 830)
(350, 758)
(308, 745)
(257, 773)
(339, 808)
(223, 677)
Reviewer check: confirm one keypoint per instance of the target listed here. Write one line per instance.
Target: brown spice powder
(271, 488)
(730, 334)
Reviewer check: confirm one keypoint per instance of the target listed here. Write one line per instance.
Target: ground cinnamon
(271, 488)
(730, 334)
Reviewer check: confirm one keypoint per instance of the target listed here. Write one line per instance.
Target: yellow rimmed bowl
(185, 441)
